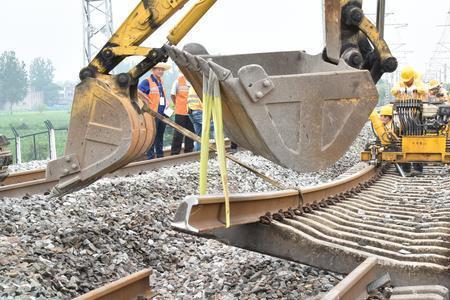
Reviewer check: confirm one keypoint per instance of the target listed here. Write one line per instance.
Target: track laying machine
(274, 104)
(419, 134)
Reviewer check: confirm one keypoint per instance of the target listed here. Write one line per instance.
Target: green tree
(383, 91)
(41, 79)
(13, 79)
(446, 86)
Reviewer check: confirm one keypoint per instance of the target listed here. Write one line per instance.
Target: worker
(383, 125)
(436, 91)
(410, 85)
(153, 87)
(179, 94)
(195, 109)
(194, 103)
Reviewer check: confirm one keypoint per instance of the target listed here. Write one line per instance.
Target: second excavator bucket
(292, 108)
(106, 132)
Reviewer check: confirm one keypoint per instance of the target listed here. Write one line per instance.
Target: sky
(53, 28)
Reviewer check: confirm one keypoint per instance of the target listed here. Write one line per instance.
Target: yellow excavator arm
(108, 127)
(145, 19)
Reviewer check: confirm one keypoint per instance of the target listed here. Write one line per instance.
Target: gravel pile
(296, 179)
(63, 247)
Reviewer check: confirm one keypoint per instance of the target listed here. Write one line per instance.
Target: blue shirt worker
(153, 88)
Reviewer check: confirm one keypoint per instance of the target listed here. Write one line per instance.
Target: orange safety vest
(181, 96)
(194, 102)
(153, 95)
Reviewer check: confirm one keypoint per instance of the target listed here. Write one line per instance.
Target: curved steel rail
(203, 213)
(403, 222)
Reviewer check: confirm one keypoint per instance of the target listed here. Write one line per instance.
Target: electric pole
(97, 26)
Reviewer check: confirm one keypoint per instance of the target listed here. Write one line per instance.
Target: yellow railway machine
(419, 133)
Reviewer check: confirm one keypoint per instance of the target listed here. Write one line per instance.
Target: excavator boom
(301, 111)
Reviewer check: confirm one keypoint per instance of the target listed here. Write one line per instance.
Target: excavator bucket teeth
(106, 132)
(292, 108)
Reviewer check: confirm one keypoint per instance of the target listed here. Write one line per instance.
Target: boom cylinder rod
(381, 10)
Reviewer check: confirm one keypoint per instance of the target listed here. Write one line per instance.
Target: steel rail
(363, 282)
(23, 176)
(403, 222)
(30, 175)
(131, 287)
(34, 181)
(354, 285)
(203, 213)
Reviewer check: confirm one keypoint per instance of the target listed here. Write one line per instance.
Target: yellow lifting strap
(196, 138)
(212, 106)
(204, 140)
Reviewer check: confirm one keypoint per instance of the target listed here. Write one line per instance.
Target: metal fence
(36, 152)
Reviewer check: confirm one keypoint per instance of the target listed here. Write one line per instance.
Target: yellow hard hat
(433, 83)
(386, 110)
(407, 74)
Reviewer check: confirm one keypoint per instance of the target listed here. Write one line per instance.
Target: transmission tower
(97, 26)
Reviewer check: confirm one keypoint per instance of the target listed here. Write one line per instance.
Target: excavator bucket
(106, 132)
(292, 108)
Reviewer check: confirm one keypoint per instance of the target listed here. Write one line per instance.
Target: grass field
(33, 122)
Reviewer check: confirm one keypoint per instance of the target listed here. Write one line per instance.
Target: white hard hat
(163, 65)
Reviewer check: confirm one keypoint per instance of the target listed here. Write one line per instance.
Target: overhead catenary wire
(439, 61)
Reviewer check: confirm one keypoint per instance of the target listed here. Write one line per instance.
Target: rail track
(26, 183)
(390, 234)
(403, 223)
(21, 184)
(359, 284)
(132, 287)
(363, 282)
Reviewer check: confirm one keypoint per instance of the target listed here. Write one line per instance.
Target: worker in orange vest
(153, 87)
(194, 103)
(179, 95)
(195, 108)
